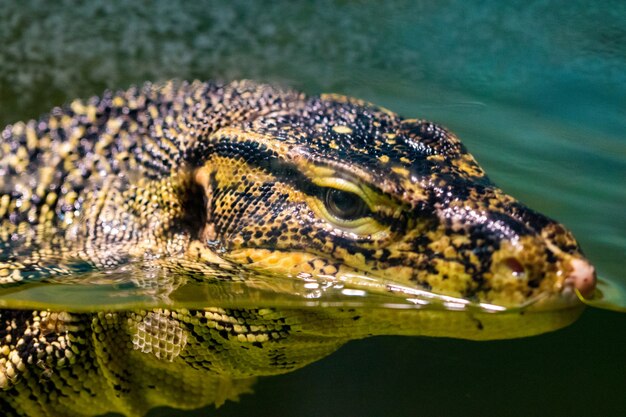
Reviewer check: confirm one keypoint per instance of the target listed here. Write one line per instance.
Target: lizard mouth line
(355, 282)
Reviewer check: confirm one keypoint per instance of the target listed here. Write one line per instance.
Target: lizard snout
(582, 277)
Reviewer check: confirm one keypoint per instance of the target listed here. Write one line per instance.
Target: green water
(536, 90)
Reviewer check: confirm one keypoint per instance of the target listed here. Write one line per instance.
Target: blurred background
(536, 90)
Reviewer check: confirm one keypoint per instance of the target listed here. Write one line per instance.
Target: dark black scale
(431, 138)
(550, 256)
(21, 319)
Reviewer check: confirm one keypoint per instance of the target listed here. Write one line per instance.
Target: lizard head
(335, 187)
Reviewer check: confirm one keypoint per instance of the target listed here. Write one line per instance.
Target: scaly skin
(198, 180)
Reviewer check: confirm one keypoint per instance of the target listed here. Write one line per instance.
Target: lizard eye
(344, 205)
(347, 207)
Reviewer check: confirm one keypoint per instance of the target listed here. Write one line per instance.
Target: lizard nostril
(514, 265)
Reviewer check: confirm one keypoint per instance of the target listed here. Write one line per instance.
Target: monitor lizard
(193, 178)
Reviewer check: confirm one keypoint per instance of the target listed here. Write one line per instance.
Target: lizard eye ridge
(344, 205)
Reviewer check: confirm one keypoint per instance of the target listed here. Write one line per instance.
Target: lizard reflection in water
(280, 183)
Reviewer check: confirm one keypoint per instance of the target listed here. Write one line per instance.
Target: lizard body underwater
(187, 179)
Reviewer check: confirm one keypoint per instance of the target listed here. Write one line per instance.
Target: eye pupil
(345, 205)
